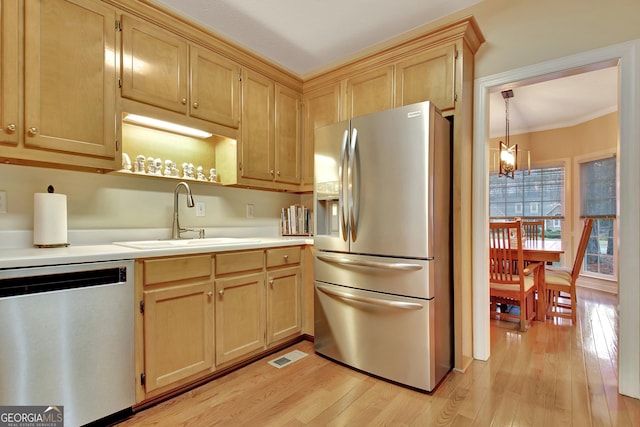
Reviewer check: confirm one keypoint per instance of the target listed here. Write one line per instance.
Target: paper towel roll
(50, 219)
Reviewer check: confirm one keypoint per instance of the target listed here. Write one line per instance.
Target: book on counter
(296, 220)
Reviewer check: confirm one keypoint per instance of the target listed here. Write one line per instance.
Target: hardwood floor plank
(555, 374)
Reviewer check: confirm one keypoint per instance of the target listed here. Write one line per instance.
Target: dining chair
(560, 282)
(533, 230)
(510, 282)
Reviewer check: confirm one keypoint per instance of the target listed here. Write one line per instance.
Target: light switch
(3, 202)
(200, 210)
(251, 211)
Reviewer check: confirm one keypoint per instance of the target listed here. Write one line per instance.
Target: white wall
(113, 201)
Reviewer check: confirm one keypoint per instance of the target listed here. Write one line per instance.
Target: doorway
(629, 208)
(565, 127)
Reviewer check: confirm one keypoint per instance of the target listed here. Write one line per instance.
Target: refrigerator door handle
(374, 301)
(343, 215)
(350, 189)
(401, 266)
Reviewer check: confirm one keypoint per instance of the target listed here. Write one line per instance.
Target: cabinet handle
(278, 173)
(286, 258)
(210, 293)
(184, 101)
(33, 131)
(271, 172)
(271, 282)
(221, 292)
(196, 105)
(11, 128)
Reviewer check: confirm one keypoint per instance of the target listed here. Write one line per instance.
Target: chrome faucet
(176, 230)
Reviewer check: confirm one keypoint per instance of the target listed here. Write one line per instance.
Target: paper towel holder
(51, 190)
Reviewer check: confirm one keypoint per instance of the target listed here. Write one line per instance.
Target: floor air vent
(287, 359)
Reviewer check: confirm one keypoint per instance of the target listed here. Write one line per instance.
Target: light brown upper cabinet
(321, 107)
(427, 76)
(154, 65)
(69, 83)
(370, 92)
(9, 72)
(288, 147)
(161, 69)
(256, 151)
(270, 145)
(215, 88)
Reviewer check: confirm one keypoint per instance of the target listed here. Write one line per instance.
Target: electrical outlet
(3, 202)
(251, 211)
(200, 210)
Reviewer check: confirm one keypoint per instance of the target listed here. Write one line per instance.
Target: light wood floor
(554, 374)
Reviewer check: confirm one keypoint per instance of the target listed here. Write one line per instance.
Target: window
(598, 201)
(517, 208)
(535, 195)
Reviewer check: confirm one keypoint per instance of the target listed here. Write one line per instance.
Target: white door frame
(628, 54)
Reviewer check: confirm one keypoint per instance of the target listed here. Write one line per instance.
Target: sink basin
(209, 241)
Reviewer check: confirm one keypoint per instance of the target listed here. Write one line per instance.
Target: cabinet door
(9, 72)
(427, 77)
(215, 88)
(284, 317)
(322, 107)
(370, 92)
(178, 331)
(257, 149)
(288, 145)
(240, 316)
(154, 65)
(70, 76)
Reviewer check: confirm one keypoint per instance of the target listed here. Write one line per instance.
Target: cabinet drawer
(234, 262)
(283, 256)
(178, 268)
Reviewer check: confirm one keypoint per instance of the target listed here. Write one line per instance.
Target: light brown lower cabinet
(178, 326)
(284, 316)
(176, 311)
(239, 316)
(284, 293)
(193, 321)
(251, 314)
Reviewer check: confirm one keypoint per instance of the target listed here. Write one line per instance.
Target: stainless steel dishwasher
(67, 338)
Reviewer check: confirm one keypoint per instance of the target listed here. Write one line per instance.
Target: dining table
(542, 250)
(545, 251)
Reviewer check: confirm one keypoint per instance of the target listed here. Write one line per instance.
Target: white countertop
(31, 257)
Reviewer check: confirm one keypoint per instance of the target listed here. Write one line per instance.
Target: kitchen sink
(172, 243)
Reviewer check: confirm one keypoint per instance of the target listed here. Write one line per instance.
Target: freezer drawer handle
(375, 301)
(383, 265)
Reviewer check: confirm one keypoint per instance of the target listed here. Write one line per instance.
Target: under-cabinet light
(168, 126)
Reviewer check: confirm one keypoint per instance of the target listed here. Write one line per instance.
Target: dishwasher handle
(368, 300)
(401, 266)
(26, 284)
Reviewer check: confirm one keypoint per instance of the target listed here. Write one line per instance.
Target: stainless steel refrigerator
(383, 291)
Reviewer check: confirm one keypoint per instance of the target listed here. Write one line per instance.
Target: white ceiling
(556, 103)
(305, 35)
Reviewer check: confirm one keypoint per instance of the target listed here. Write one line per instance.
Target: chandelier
(508, 153)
